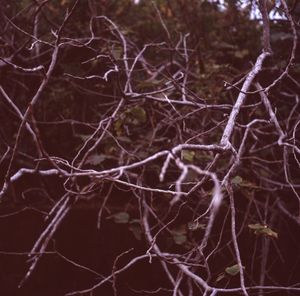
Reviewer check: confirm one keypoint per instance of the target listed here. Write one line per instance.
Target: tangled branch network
(151, 134)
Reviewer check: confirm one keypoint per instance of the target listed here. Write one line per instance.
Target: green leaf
(179, 239)
(260, 229)
(117, 52)
(237, 180)
(124, 139)
(118, 126)
(203, 156)
(121, 218)
(240, 54)
(139, 115)
(95, 159)
(188, 155)
(250, 185)
(179, 235)
(193, 226)
(136, 230)
(233, 270)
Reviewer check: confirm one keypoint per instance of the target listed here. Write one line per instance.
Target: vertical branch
(234, 239)
(262, 4)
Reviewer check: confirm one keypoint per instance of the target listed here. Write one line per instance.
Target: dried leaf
(260, 229)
